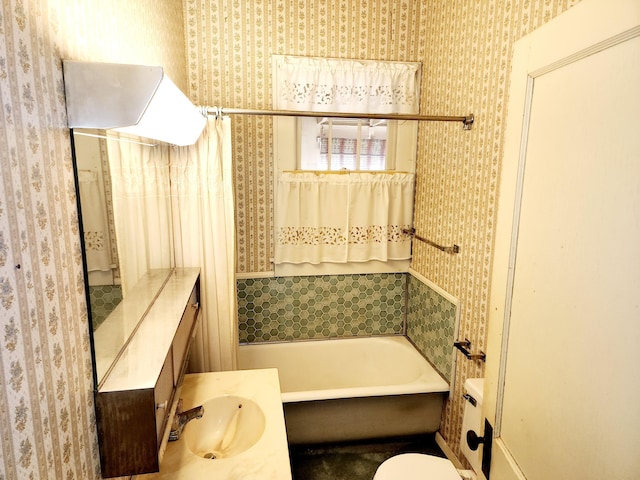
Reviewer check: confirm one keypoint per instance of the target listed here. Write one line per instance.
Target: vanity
(241, 434)
(144, 312)
(140, 348)
(136, 398)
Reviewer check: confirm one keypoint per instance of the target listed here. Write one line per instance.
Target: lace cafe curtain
(355, 217)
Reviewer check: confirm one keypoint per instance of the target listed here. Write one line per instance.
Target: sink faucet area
(181, 418)
(232, 427)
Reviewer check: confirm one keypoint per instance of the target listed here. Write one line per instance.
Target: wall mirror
(124, 199)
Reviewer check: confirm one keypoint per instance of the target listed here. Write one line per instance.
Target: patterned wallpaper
(229, 45)
(46, 405)
(466, 69)
(465, 47)
(47, 426)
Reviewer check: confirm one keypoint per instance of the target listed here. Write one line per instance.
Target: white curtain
(204, 231)
(355, 217)
(142, 210)
(94, 222)
(342, 85)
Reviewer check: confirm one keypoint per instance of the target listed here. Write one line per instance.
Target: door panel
(561, 380)
(574, 313)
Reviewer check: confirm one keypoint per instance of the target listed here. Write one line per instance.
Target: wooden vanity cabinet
(134, 402)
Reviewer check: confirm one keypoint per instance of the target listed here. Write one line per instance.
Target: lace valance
(339, 85)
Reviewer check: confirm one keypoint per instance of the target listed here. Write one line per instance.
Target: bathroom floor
(356, 460)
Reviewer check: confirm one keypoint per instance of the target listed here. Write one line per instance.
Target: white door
(564, 396)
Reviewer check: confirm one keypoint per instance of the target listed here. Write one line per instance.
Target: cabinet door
(184, 335)
(127, 432)
(163, 395)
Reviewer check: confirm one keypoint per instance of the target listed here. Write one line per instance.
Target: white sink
(241, 435)
(230, 425)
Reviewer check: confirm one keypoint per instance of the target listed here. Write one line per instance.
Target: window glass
(343, 144)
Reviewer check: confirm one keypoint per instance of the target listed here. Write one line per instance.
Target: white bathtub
(352, 389)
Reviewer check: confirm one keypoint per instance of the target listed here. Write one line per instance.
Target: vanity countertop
(115, 331)
(154, 335)
(265, 460)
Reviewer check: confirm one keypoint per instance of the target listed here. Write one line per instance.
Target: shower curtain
(94, 221)
(204, 236)
(140, 188)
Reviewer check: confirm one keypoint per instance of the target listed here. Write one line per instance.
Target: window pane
(339, 142)
(373, 154)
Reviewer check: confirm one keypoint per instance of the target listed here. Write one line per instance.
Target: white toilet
(418, 466)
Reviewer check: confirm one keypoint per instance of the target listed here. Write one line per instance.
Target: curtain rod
(347, 172)
(467, 120)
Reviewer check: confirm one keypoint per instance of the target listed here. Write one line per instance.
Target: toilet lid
(416, 466)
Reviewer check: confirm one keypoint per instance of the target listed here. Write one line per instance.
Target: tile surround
(103, 299)
(431, 324)
(329, 306)
(277, 309)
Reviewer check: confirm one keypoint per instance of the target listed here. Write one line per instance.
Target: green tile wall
(431, 321)
(103, 299)
(328, 306)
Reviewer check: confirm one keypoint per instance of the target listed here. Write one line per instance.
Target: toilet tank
(472, 420)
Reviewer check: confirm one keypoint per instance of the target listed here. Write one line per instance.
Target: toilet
(418, 466)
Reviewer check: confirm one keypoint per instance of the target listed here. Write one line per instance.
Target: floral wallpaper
(465, 48)
(46, 405)
(47, 425)
(466, 69)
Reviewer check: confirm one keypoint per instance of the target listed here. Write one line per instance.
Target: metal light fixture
(135, 99)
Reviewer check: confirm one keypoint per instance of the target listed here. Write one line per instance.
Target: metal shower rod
(466, 120)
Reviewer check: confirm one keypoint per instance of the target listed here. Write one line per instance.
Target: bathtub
(352, 389)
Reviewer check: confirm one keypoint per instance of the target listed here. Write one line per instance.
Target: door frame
(587, 28)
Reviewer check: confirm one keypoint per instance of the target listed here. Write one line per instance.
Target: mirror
(124, 199)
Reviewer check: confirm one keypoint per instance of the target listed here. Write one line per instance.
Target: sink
(230, 425)
(241, 435)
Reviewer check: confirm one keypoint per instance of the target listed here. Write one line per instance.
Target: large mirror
(124, 199)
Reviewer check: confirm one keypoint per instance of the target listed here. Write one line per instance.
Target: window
(344, 85)
(338, 224)
(344, 144)
(356, 144)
